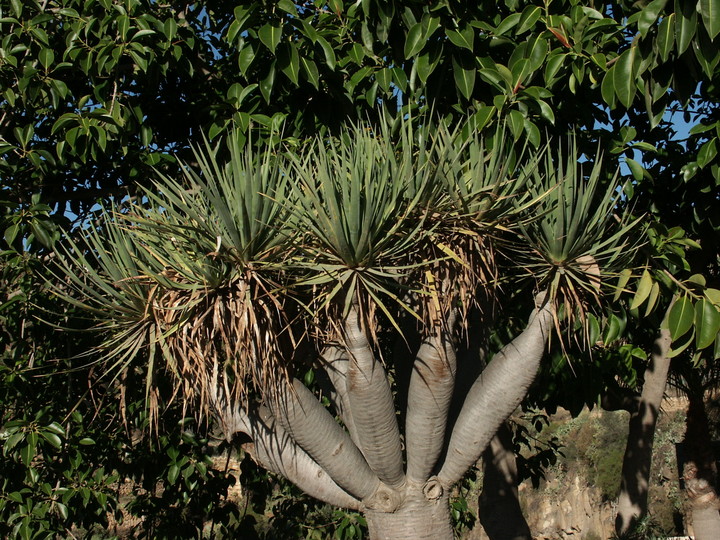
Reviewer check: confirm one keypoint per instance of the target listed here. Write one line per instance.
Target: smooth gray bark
(313, 428)
(275, 450)
(302, 440)
(429, 397)
(368, 390)
(334, 361)
(706, 521)
(497, 392)
(635, 478)
(418, 518)
(500, 513)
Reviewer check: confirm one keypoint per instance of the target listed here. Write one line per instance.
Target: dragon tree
(419, 272)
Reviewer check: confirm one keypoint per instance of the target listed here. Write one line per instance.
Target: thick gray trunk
(429, 396)
(368, 391)
(500, 513)
(418, 518)
(498, 391)
(635, 479)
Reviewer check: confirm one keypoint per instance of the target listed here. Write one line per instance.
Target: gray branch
(368, 391)
(429, 397)
(275, 450)
(313, 428)
(334, 360)
(496, 393)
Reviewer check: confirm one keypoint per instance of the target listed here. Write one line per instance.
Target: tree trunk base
(418, 518)
(706, 523)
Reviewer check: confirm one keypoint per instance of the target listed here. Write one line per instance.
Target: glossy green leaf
(27, 453)
(623, 279)
(288, 6)
(532, 132)
(483, 117)
(270, 35)
(678, 349)
(53, 439)
(666, 37)
(546, 111)
(519, 71)
(464, 77)
(607, 87)
(636, 169)
(414, 41)
(614, 329)
(311, 71)
(713, 295)
(508, 23)
(516, 120)
(41, 233)
(493, 76)
(593, 329)
(707, 323)
(46, 57)
(649, 14)
(680, 318)
(529, 17)
(399, 78)
(707, 152)
(384, 78)
(685, 24)
(290, 63)
(142, 33)
(245, 58)
(424, 66)
(464, 39)
(624, 72)
(710, 12)
(170, 29)
(328, 51)
(643, 290)
(554, 63)
(652, 298)
(266, 85)
(173, 473)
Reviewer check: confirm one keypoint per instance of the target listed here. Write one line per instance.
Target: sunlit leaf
(680, 318)
(707, 323)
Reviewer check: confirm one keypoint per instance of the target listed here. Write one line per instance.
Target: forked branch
(313, 428)
(273, 448)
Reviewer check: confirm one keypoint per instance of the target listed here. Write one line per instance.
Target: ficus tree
(396, 262)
